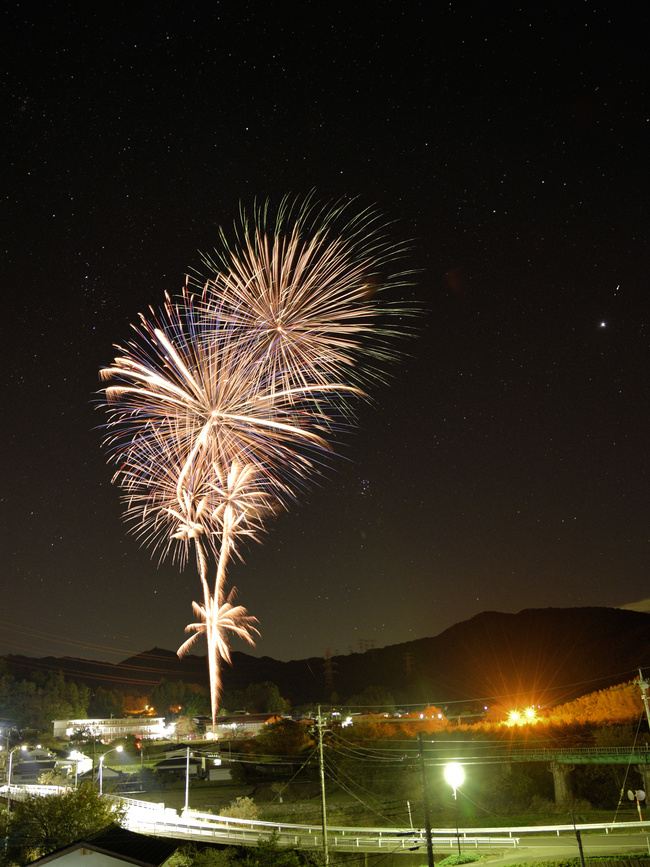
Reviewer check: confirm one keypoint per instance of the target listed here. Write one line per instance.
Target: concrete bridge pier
(562, 782)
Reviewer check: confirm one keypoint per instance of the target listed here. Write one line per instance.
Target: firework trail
(225, 402)
(218, 617)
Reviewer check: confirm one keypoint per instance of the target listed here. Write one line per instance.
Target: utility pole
(577, 833)
(187, 780)
(425, 793)
(427, 818)
(643, 686)
(322, 787)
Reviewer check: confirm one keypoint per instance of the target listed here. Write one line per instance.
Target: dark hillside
(545, 656)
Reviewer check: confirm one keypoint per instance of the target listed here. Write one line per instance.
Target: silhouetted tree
(284, 738)
(106, 703)
(39, 825)
(264, 698)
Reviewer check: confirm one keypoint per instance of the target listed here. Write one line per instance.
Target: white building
(109, 729)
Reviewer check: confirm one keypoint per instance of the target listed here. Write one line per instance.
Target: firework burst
(224, 403)
(300, 287)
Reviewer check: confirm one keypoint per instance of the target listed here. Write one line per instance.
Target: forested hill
(546, 656)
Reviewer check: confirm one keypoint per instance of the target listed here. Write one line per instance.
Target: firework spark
(185, 422)
(300, 288)
(225, 403)
(216, 619)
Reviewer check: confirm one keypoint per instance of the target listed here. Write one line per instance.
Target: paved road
(533, 848)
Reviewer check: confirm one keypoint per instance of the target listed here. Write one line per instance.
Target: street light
(76, 757)
(101, 765)
(455, 776)
(4, 763)
(187, 780)
(11, 759)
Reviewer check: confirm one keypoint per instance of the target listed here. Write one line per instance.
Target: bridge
(202, 827)
(561, 760)
(584, 755)
(155, 819)
(158, 820)
(441, 754)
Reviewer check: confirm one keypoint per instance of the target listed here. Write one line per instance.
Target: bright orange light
(514, 718)
(522, 717)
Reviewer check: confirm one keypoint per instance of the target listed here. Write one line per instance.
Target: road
(542, 847)
(499, 846)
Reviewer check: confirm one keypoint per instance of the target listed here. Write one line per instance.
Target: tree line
(35, 700)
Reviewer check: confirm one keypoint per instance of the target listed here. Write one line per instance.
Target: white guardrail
(302, 836)
(156, 819)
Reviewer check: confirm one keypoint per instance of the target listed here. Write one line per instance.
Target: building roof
(247, 718)
(33, 768)
(124, 845)
(177, 762)
(107, 773)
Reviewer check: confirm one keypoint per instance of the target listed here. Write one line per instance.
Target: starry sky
(504, 465)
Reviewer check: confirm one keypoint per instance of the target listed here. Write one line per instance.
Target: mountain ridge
(541, 656)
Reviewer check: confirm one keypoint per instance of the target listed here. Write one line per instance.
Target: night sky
(505, 464)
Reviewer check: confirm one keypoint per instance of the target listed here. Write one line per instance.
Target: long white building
(108, 729)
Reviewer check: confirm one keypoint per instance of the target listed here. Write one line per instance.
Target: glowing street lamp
(455, 776)
(76, 757)
(11, 758)
(101, 765)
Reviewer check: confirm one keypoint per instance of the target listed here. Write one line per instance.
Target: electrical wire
(337, 777)
(627, 768)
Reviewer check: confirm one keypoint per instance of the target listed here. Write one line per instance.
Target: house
(111, 779)
(221, 773)
(29, 772)
(113, 847)
(178, 765)
(75, 764)
(201, 762)
(39, 754)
